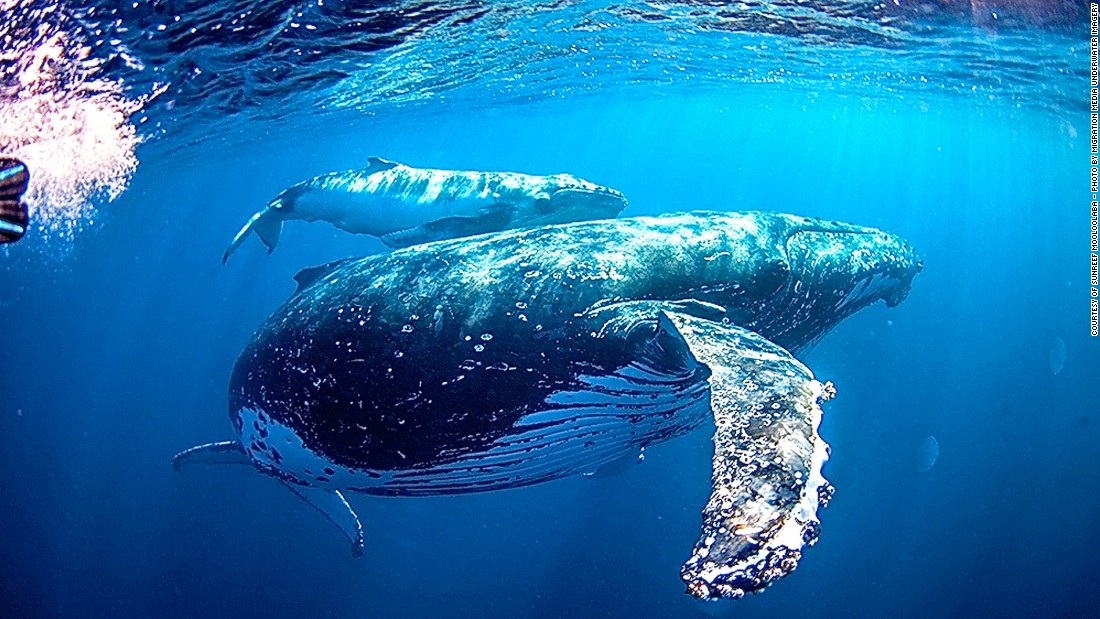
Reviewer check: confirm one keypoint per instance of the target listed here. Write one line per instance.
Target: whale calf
(406, 206)
(526, 356)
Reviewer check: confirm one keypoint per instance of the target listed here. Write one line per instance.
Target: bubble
(66, 119)
(407, 329)
(486, 336)
(1057, 355)
(927, 453)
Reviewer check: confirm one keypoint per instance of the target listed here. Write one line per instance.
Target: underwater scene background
(964, 433)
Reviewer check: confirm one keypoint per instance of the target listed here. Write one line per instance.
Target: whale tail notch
(267, 224)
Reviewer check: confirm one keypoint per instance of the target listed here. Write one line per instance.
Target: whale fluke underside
(265, 224)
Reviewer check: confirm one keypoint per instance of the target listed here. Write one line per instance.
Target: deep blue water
(117, 352)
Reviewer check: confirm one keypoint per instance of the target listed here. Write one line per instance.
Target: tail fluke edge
(265, 224)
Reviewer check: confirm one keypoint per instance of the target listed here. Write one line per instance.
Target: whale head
(864, 264)
(836, 269)
(792, 278)
(580, 202)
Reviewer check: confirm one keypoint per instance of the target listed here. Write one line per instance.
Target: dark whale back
(398, 360)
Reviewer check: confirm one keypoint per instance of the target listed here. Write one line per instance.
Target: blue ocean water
(119, 338)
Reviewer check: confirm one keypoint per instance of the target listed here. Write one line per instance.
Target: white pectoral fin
(766, 471)
(266, 224)
(487, 220)
(224, 452)
(336, 509)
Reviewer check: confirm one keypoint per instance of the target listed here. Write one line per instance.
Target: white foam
(65, 120)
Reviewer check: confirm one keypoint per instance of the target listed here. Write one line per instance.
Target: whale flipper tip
(335, 508)
(223, 452)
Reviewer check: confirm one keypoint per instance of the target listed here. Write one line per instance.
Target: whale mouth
(599, 203)
(864, 265)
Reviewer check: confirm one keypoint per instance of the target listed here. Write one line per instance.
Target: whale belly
(606, 419)
(376, 214)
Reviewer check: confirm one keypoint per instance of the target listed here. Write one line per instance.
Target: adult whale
(406, 206)
(526, 356)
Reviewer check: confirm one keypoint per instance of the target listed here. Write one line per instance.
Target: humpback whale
(530, 355)
(406, 206)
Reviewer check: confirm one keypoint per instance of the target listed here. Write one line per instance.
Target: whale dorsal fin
(306, 277)
(378, 164)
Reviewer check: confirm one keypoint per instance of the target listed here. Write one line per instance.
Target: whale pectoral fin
(617, 466)
(489, 219)
(330, 503)
(378, 164)
(766, 470)
(224, 452)
(335, 508)
(266, 224)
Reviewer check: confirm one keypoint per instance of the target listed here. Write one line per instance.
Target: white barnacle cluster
(610, 264)
(767, 482)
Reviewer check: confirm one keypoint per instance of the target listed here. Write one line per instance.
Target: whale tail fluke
(266, 224)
